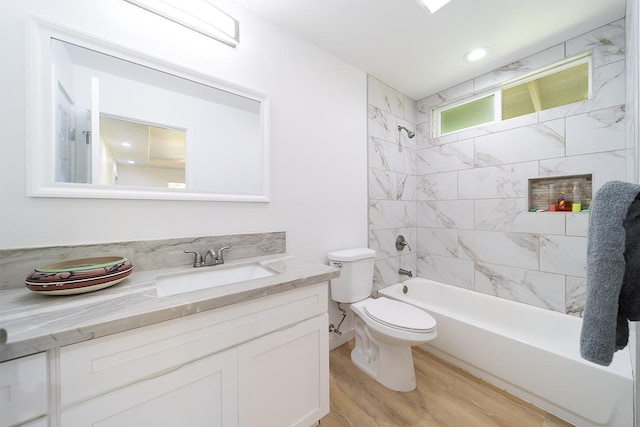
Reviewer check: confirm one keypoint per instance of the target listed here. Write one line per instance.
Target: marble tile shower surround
(16, 264)
(468, 221)
(392, 181)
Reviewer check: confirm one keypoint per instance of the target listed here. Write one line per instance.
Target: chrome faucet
(405, 272)
(200, 261)
(217, 256)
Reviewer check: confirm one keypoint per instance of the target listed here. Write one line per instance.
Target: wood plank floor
(446, 396)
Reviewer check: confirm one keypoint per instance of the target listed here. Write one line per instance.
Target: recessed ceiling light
(476, 54)
(126, 144)
(131, 162)
(433, 5)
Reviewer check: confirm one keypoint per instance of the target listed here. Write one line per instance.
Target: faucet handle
(401, 243)
(219, 257)
(197, 258)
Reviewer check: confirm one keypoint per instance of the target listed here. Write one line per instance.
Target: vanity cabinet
(260, 362)
(23, 391)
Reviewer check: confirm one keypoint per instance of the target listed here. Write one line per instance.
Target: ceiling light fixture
(199, 15)
(476, 54)
(433, 5)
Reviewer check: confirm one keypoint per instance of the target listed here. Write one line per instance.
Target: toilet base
(389, 364)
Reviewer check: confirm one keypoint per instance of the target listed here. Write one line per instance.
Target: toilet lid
(399, 315)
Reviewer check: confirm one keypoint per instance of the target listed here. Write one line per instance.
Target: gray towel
(613, 264)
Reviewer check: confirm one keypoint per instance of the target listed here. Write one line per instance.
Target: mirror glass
(136, 153)
(126, 126)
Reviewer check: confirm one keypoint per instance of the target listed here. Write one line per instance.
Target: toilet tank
(356, 274)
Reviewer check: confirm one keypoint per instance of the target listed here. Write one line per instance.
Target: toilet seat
(399, 315)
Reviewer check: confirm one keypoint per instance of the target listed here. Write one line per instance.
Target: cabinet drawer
(23, 389)
(97, 366)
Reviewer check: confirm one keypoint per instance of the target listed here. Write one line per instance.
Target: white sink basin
(208, 277)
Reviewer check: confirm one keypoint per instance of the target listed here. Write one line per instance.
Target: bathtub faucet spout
(404, 272)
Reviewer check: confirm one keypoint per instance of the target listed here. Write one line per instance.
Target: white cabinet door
(284, 376)
(23, 389)
(202, 393)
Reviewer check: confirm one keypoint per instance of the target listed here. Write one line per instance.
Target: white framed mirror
(109, 122)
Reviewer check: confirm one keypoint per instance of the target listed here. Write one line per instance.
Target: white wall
(318, 135)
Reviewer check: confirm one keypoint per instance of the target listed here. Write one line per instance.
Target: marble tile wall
(392, 181)
(461, 199)
(16, 264)
(473, 229)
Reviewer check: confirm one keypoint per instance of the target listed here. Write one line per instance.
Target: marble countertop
(31, 323)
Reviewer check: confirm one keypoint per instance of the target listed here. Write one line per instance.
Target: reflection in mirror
(141, 154)
(128, 126)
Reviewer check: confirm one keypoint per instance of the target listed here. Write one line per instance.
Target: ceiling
(419, 54)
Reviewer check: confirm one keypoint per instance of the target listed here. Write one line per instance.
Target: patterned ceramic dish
(79, 275)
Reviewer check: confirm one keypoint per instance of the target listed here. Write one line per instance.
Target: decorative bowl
(79, 275)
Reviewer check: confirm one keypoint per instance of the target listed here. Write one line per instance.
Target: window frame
(436, 112)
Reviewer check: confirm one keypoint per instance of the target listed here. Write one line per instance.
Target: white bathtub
(530, 352)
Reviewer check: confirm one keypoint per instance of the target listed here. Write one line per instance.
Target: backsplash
(468, 220)
(16, 264)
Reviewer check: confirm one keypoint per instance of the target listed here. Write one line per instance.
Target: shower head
(410, 133)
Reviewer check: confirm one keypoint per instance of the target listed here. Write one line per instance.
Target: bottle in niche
(562, 204)
(552, 198)
(576, 205)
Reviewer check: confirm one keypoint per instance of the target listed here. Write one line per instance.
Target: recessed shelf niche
(547, 194)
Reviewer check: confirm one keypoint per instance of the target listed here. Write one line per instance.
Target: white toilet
(385, 328)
